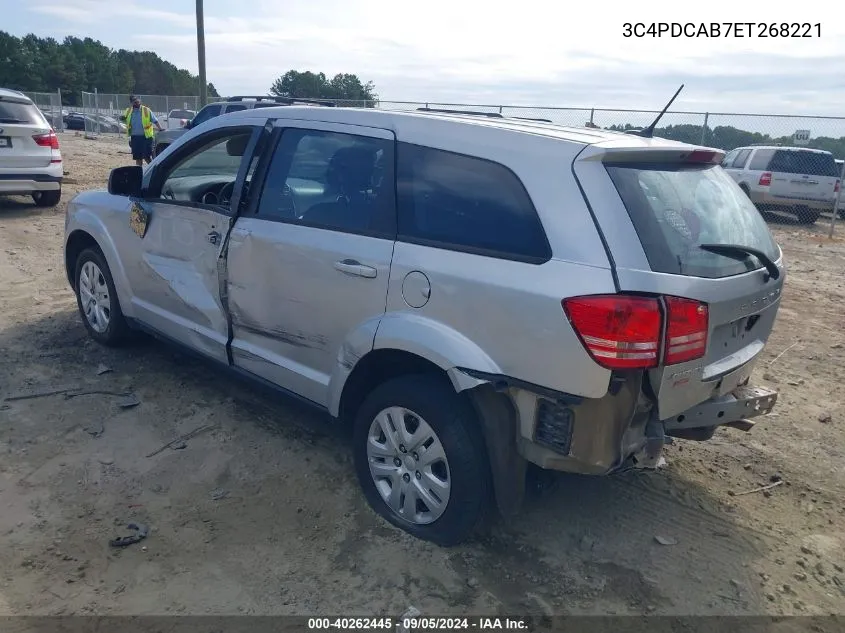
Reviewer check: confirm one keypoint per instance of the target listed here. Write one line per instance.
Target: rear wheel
(47, 198)
(420, 459)
(807, 216)
(97, 299)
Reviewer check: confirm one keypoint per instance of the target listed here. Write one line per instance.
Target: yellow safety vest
(146, 121)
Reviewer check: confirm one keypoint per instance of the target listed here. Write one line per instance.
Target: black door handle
(214, 237)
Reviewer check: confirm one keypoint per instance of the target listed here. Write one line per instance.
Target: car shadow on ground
(634, 542)
(22, 207)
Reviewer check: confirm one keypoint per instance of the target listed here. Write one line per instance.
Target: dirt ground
(262, 514)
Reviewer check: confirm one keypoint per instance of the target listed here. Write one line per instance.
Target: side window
(760, 160)
(235, 108)
(728, 160)
(207, 172)
(208, 112)
(463, 203)
(342, 182)
(739, 162)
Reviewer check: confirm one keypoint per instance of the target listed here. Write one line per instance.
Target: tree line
(36, 64)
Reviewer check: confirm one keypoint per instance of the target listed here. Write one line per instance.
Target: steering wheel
(226, 194)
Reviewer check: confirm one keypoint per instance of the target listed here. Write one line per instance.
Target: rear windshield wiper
(737, 250)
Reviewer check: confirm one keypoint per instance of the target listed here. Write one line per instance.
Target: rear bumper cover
(11, 184)
(596, 437)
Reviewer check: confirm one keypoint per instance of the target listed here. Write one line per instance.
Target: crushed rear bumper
(743, 403)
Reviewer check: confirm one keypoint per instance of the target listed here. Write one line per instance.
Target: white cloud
(471, 50)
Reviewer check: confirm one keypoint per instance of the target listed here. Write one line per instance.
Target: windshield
(675, 208)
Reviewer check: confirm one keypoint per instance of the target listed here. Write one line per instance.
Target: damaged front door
(188, 204)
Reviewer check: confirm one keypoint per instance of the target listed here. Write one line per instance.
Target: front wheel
(97, 299)
(420, 459)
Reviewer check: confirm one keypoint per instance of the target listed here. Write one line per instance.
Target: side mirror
(126, 181)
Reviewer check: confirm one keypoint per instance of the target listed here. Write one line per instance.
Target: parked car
(795, 180)
(470, 294)
(100, 123)
(232, 104)
(841, 207)
(177, 119)
(30, 159)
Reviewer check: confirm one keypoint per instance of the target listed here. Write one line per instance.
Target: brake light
(836, 187)
(765, 179)
(704, 156)
(619, 332)
(47, 140)
(686, 330)
(624, 332)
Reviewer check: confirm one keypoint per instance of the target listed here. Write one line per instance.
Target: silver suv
(471, 294)
(800, 181)
(232, 104)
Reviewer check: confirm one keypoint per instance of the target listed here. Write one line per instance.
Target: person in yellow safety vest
(139, 128)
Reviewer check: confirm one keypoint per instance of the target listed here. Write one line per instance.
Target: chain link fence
(50, 104)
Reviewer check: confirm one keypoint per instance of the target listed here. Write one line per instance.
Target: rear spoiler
(658, 154)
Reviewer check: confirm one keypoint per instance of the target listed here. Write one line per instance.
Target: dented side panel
(293, 310)
(175, 277)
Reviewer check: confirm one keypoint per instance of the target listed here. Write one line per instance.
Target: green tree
(74, 65)
(345, 88)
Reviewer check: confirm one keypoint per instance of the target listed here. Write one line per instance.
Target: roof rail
(280, 100)
(492, 115)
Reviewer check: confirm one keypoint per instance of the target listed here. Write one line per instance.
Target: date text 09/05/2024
(417, 623)
(722, 29)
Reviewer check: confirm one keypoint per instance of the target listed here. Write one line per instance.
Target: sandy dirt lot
(261, 514)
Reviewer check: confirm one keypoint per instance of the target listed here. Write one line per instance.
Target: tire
(93, 265)
(452, 423)
(745, 191)
(47, 198)
(807, 216)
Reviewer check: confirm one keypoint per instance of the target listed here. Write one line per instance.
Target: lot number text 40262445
(722, 29)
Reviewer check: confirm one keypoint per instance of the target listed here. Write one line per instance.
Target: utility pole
(201, 53)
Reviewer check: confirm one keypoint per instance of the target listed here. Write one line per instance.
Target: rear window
(17, 112)
(676, 208)
(803, 162)
(180, 114)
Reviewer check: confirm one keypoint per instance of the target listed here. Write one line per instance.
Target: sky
(529, 52)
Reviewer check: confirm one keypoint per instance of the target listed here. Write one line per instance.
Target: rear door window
(739, 162)
(675, 208)
(803, 162)
(205, 114)
(457, 202)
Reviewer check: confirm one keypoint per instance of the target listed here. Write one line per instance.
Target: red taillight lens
(765, 179)
(836, 187)
(686, 330)
(624, 332)
(47, 140)
(619, 332)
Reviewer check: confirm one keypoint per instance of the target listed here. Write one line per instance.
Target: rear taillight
(619, 332)
(686, 330)
(836, 187)
(625, 332)
(47, 140)
(765, 179)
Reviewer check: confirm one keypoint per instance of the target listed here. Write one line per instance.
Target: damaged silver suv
(472, 294)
